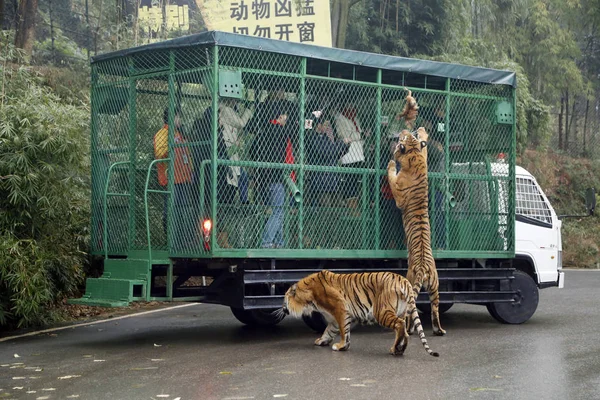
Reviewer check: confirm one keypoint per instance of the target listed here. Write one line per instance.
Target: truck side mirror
(590, 200)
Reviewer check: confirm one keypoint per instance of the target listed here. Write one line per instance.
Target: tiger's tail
(417, 324)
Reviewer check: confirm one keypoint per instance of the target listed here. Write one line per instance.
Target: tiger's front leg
(392, 172)
(344, 321)
(330, 333)
(395, 183)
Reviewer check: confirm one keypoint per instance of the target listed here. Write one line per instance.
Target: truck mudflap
(457, 285)
(561, 280)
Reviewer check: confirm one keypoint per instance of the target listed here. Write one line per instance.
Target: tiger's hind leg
(392, 321)
(434, 299)
(432, 286)
(385, 312)
(401, 338)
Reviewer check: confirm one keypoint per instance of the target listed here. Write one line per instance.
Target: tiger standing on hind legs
(410, 189)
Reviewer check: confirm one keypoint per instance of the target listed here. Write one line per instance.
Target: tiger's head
(410, 145)
(300, 299)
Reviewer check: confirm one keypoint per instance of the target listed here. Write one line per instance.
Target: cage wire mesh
(301, 149)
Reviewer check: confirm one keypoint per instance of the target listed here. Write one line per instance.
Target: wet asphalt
(203, 352)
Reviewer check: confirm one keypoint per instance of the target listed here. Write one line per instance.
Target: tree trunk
(97, 30)
(585, 122)
(397, 8)
(566, 143)
(539, 78)
(136, 26)
(2, 14)
(560, 123)
(51, 31)
(335, 20)
(339, 21)
(25, 35)
(15, 9)
(382, 16)
(343, 27)
(573, 125)
(87, 30)
(164, 5)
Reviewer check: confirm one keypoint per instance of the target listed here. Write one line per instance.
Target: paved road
(202, 352)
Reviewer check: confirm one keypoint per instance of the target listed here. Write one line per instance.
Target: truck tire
(525, 303)
(315, 321)
(318, 323)
(426, 308)
(258, 317)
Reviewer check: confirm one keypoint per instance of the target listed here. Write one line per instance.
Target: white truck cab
(537, 231)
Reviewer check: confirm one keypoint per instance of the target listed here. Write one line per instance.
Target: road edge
(101, 321)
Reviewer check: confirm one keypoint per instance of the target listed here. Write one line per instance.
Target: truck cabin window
(530, 202)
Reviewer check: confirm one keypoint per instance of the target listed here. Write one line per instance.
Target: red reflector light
(207, 225)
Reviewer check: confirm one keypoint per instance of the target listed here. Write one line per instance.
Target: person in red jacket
(184, 234)
(273, 144)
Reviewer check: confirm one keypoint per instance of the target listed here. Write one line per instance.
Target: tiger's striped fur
(411, 192)
(368, 297)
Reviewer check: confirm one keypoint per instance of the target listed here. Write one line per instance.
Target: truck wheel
(318, 323)
(315, 321)
(525, 304)
(426, 307)
(258, 317)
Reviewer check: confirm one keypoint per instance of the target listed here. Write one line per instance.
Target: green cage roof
(392, 63)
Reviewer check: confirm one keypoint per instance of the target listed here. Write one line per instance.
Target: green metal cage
(191, 157)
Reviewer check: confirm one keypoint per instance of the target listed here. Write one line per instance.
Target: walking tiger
(368, 297)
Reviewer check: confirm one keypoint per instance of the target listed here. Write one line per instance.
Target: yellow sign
(300, 21)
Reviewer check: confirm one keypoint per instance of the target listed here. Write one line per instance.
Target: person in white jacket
(349, 130)
(231, 123)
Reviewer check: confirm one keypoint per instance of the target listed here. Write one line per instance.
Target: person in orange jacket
(183, 200)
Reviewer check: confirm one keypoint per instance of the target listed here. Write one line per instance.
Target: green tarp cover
(402, 64)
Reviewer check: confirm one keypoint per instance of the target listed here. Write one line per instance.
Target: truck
(190, 225)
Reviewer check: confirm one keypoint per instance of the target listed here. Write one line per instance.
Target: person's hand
(329, 134)
(263, 96)
(347, 140)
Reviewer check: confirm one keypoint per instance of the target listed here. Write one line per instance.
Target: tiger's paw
(322, 342)
(439, 332)
(340, 347)
(396, 352)
(422, 134)
(392, 166)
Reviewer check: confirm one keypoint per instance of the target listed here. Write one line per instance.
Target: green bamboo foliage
(44, 192)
